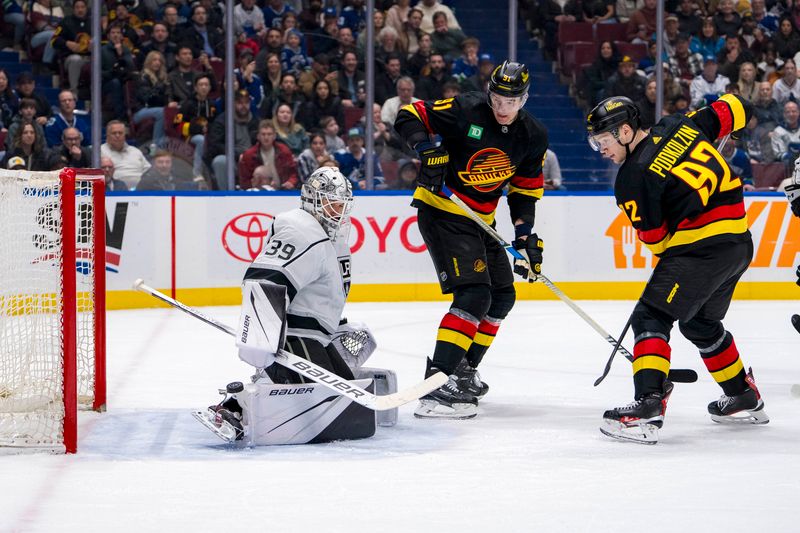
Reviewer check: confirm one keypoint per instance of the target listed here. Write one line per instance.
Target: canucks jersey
(315, 271)
(678, 192)
(484, 156)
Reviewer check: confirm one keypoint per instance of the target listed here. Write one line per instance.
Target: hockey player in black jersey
(487, 142)
(687, 208)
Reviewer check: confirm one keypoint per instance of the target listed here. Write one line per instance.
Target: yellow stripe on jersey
(651, 362)
(737, 110)
(729, 372)
(434, 200)
(536, 193)
(689, 236)
(454, 337)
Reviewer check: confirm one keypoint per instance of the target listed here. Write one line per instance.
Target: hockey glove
(793, 189)
(531, 248)
(433, 166)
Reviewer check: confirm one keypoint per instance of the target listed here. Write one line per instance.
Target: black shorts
(310, 349)
(705, 278)
(462, 252)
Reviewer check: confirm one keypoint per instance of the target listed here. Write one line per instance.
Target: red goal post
(52, 306)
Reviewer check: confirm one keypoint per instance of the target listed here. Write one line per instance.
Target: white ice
(533, 460)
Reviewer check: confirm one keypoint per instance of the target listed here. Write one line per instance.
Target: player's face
(505, 108)
(608, 146)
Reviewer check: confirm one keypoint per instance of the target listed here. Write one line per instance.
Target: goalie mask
(328, 196)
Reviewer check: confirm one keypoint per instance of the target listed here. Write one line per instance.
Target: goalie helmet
(328, 196)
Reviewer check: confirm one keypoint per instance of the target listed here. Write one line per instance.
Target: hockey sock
(651, 360)
(455, 335)
(487, 330)
(723, 362)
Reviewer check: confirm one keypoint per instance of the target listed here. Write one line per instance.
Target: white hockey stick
(678, 375)
(312, 371)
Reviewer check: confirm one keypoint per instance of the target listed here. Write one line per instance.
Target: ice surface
(533, 460)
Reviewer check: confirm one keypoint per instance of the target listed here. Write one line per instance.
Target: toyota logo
(244, 236)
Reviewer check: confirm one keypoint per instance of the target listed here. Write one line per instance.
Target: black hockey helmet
(612, 113)
(510, 79)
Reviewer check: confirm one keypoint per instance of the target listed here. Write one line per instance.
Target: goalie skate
(639, 421)
(744, 408)
(218, 426)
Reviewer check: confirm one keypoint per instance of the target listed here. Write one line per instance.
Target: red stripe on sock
(456, 323)
(488, 328)
(652, 346)
(727, 357)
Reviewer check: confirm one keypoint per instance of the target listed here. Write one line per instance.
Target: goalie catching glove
(793, 189)
(433, 166)
(530, 248)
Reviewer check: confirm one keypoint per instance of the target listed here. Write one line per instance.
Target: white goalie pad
(262, 322)
(385, 383)
(355, 343)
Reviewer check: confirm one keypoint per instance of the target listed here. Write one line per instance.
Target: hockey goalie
(293, 295)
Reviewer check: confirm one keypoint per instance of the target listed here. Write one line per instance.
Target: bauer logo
(243, 237)
(291, 392)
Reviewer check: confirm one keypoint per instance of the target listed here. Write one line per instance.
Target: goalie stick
(677, 375)
(312, 371)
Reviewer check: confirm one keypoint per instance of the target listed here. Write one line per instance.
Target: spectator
(410, 32)
(27, 113)
(347, 79)
(552, 13)
(70, 149)
(271, 73)
(310, 18)
(707, 87)
(183, 76)
(708, 43)
(9, 103)
(387, 143)
(66, 118)
(417, 64)
(771, 66)
(388, 40)
(623, 9)
(727, 21)
(247, 79)
(28, 144)
(112, 183)
(12, 14)
(287, 94)
(324, 103)
(352, 161)
(312, 157)
(447, 41)
(26, 88)
(330, 128)
(786, 40)
(757, 141)
(345, 43)
(592, 11)
(386, 83)
(172, 20)
(378, 22)
(552, 172)
(201, 37)
(249, 20)
(787, 87)
(194, 116)
(480, 81)
(748, 86)
(72, 39)
(244, 136)
(407, 176)
(293, 58)
(275, 156)
(685, 65)
(429, 9)
(765, 21)
(320, 70)
(739, 164)
(594, 79)
(466, 65)
(397, 15)
(153, 95)
(626, 82)
(430, 87)
(354, 17)
(732, 57)
(129, 162)
(273, 44)
(118, 67)
(405, 96)
(325, 40)
(647, 106)
(289, 132)
(162, 176)
(120, 15)
(274, 11)
(644, 16)
(44, 21)
(786, 137)
(768, 112)
(751, 36)
(159, 41)
(689, 21)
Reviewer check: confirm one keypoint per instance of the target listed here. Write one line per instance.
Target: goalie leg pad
(385, 383)
(262, 322)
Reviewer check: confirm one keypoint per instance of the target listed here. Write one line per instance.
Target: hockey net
(52, 306)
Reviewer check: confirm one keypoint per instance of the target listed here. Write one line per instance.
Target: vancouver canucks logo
(487, 170)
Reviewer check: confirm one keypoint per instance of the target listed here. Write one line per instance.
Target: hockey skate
(744, 408)
(448, 401)
(470, 380)
(640, 420)
(225, 418)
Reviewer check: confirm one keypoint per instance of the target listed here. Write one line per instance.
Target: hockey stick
(314, 372)
(677, 375)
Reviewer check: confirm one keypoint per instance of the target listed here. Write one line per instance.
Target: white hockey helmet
(328, 196)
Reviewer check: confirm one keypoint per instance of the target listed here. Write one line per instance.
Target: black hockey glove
(531, 248)
(433, 165)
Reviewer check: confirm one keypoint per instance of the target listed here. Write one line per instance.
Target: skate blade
(755, 417)
(639, 433)
(224, 431)
(458, 411)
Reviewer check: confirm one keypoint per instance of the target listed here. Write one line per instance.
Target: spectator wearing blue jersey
(466, 65)
(274, 11)
(293, 58)
(67, 118)
(353, 159)
(354, 16)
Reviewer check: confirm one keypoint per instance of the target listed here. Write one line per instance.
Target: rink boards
(198, 246)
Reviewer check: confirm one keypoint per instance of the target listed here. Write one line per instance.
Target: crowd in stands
(746, 47)
(299, 88)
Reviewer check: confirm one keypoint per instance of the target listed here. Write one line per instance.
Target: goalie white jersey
(315, 271)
